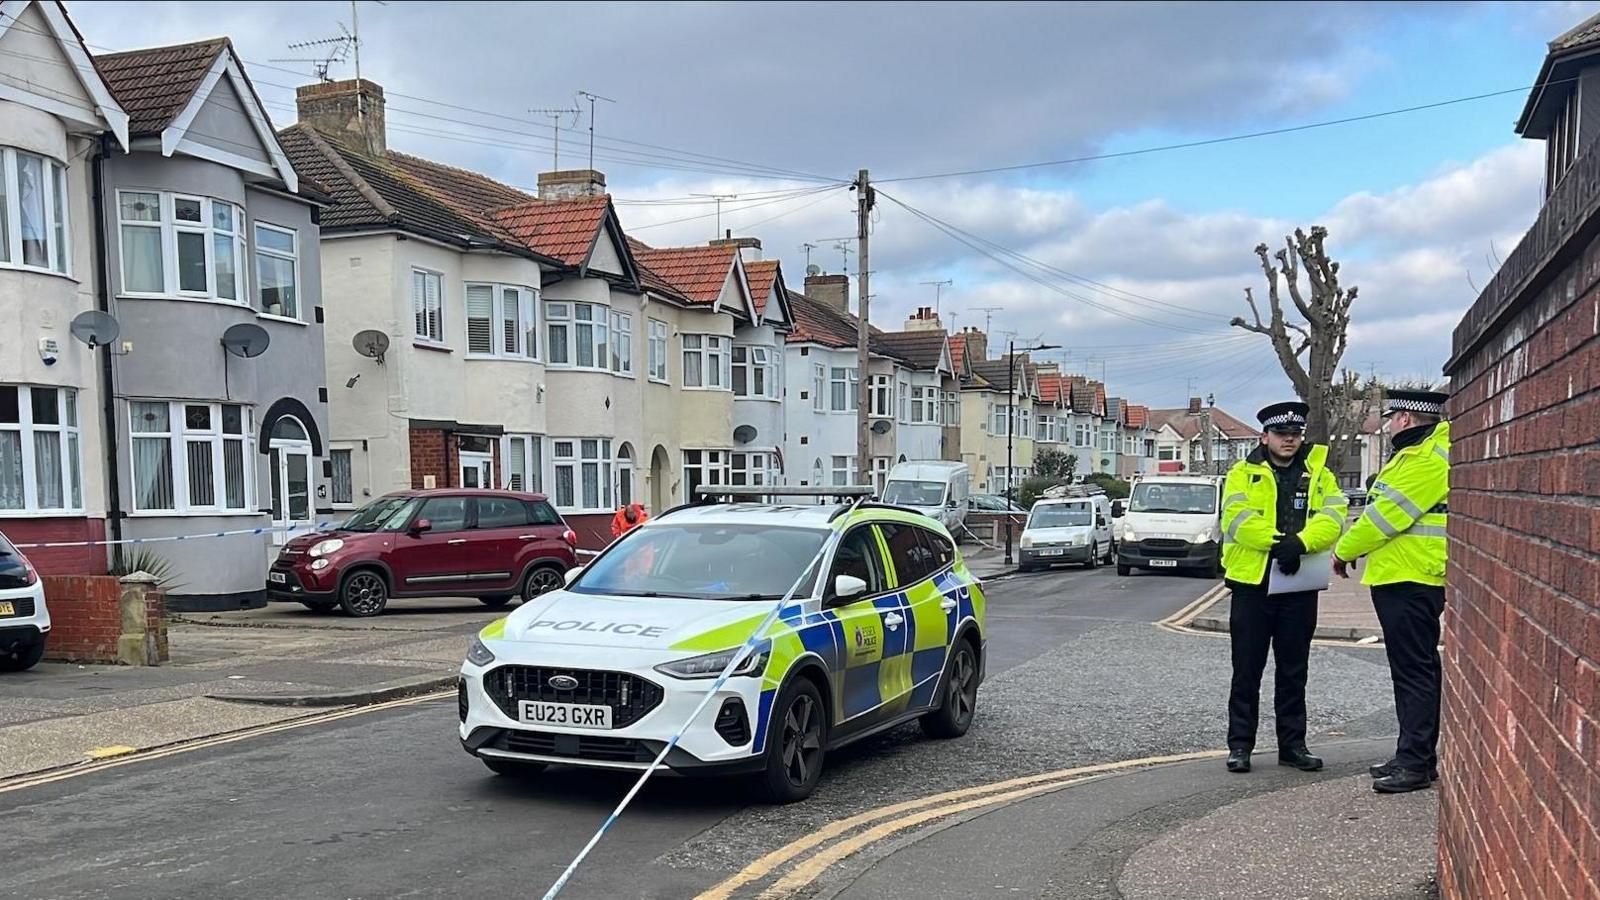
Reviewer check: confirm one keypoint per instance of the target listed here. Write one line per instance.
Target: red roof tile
(698, 272)
(154, 85)
(1138, 416)
(762, 275)
(564, 229)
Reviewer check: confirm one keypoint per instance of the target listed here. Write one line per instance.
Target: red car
(492, 545)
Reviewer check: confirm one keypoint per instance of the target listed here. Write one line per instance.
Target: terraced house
(997, 399)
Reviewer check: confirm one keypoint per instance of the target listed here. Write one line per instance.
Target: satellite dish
(246, 339)
(371, 343)
(813, 269)
(881, 426)
(95, 328)
(744, 434)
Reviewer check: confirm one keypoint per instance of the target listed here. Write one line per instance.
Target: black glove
(1287, 550)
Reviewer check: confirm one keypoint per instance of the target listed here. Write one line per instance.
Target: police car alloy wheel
(960, 698)
(794, 758)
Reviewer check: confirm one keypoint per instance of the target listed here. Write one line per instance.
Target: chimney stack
(832, 290)
(570, 184)
(350, 112)
(742, 243)
(1194, 406)
(924, 319)
(977, 344)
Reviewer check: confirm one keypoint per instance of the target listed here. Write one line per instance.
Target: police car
(886, 627)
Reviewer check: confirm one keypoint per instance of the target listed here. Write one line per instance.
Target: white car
(24, 618)
(604, 672)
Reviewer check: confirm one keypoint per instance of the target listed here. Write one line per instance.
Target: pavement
(1344, 613)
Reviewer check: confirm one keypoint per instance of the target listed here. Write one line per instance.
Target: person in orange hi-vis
(628, 518)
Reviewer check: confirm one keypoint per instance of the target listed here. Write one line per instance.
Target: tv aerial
(371, 343)
(246, 340)
(95, 328)
(330, 50)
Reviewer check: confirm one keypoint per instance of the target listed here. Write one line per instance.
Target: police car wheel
(959, 696)
(513, 768)
(799, 737)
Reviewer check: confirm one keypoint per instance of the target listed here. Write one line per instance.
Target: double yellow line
(127, 756)
(810, 857)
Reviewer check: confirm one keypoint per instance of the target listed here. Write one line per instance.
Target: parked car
(994, 503)
(24, 618)
(492, 545)
(1068, 530)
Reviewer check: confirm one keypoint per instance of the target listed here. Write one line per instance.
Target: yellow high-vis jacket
(1250, 513)
(1402, 531)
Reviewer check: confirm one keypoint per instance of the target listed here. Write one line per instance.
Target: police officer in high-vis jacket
(1402, 535)
(1279, 504)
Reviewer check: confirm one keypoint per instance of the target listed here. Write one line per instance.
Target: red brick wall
(60, 560)
(593, 530)
(432, 453)
(86, 618)
(1520, 797)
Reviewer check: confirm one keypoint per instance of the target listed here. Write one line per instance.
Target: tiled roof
(995, 372)
(563, 229)
(958, 350)
(1582, 34)
(921, 349)
(1050, 388)
(1187, 424)
(698, 272)
(154, 85)
(816, 322)
(761, 275)
(468, 193)
(1138, 416)
(1114, 409)
(1084, 398)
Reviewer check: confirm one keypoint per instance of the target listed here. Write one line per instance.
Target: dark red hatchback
(493, 545)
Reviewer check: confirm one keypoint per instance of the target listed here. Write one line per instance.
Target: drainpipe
(107, 381)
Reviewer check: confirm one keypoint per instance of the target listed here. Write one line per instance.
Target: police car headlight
(323, 548)
(478, 654)
(712, 664)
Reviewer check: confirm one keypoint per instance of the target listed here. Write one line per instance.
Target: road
(387, 805)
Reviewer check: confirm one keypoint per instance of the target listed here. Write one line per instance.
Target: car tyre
(496, 601)
(23, 657)
(541, 580)
(318, 606)
(513, 768)
(1124, 570)
(958, 692)
(1213, 569)
(799, 736)
(363, 594)
(1094, 556)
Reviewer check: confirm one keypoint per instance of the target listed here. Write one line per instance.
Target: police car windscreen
(1173, 498)
(1060, 515)
(914, 493)
(714, 562)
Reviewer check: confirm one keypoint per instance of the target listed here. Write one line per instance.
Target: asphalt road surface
(387, 804)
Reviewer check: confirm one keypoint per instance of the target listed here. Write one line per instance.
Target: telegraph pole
(864, 198)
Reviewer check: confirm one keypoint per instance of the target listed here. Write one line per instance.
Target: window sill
(34, 270)
(757, 399)
(490, 357)
(709, 390)
(194, 513)
(661, 381)
(287, 320)
(188, 298)
(41, 513)
(567, 367)
(431, 345)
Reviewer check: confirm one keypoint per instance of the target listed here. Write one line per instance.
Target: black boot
(1391, 767)
(1402, 781)
(1238, 760)
(1300, 758)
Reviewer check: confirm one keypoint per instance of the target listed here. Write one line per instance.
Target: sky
(1133, 265)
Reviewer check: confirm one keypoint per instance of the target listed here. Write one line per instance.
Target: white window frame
(753, 360)
(715, 355)
(57, 227)
(712, 466)
(752, 469)
(509, 303)
(819, 387)
(902, 401)
(952, 408)
(878, 396)
(842, 467)
(427, 312)
(292, 258)
(170, 228)
(581, 456)
(564, 315)
(659, 332)
(524, 451)
(334, 499)
(622, 343)
(70, 448)
(850, 378)
(178, 437)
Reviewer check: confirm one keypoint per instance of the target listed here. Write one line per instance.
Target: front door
(291, 489)
(477, 470)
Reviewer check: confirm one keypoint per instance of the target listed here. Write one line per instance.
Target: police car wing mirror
(421, 526)
(847, 586)
(572, 574)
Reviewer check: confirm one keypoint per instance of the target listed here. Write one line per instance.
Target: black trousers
(1283, 623)
(1409, 614)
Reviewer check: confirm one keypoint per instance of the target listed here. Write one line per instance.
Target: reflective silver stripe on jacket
(1400, 500)
(1233, 527)
(1441, 452)
(1235, 498)
(1376, 518)
(1433, 531)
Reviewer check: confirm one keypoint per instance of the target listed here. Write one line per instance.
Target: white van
(1172, 522)
(1068, 530)
(939, 489)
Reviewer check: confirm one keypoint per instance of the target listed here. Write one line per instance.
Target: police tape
(207, 535)
(738, 659)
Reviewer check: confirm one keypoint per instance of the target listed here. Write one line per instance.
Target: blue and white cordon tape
(207, 535)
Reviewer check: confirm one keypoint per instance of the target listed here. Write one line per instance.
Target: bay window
(500, 321)
(578, 335)
(752, 469)
(707, 362)
(582, 474)
(190, 457)
(40, 469)
(703, 467)
(924, 405)
(34, 232)
(658, 350)
(427, 305)
(277, 271)
(755, 372)
(179, 244)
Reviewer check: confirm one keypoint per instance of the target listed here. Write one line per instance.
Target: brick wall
(1520, 797)
(60, 560)
(432, 453)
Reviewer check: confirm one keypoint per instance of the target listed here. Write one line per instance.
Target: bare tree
(1309, 348)
(1351, 404)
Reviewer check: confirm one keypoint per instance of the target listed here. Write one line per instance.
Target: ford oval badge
(563, 682)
